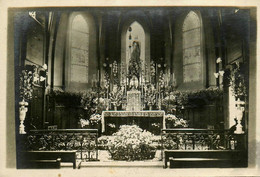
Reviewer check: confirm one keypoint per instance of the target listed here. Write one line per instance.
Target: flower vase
(22, 115)
(239, 117)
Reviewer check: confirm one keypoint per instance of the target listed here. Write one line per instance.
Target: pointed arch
(81, 43)
(79, 50)
(192, 46)
(144, 35)
(135, 34)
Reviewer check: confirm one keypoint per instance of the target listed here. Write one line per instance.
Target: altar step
(123, 164)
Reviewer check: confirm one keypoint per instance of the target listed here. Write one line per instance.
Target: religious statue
(135, 62)
(134, 83)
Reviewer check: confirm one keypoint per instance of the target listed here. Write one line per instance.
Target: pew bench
(42, 164)
(204, 158)
(51, 159)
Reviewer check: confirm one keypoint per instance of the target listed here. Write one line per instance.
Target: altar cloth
(145, 114)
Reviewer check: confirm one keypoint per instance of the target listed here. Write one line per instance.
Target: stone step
(139, 164)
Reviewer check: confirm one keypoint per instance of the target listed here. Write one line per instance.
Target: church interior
(169, 85)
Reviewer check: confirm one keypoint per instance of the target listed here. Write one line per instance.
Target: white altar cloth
(145, 114)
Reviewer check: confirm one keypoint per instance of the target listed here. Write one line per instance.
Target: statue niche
(134, 95)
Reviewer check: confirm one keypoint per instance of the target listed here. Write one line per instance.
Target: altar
(144, 119)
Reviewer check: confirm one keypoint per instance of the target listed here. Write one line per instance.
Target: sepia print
(167, 87)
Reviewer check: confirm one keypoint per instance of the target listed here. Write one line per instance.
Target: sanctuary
(173, 86)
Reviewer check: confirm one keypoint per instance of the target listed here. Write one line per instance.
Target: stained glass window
(79, 50)
(192, 64)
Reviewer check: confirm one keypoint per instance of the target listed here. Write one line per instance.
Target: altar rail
(84, 141)
(201, 139)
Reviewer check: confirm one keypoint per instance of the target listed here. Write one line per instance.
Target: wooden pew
(48, 158)
(204, 158)
(42, 164)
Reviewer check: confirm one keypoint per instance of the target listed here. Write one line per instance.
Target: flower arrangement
(131, 143)
(106, 80)
(175, 122)
(31, 75)
(150, 95)
(115, 69)
(152, 70)
(26, 84)
(116, 96)
(236, 76)
(95, 119)
(161, 79)
(92, 104)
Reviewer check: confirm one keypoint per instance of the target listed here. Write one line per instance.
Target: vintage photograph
(167, 87)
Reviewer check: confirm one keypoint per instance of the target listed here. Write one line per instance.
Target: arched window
(79, 50)
(192, 48)
(135, 32)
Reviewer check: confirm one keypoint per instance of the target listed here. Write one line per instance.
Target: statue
(134, 83)
(135, 62)
(134, 73)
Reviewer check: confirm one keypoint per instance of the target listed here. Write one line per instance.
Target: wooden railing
(201, 139)
(82, 140)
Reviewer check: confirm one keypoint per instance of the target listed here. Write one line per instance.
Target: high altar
(133, 86)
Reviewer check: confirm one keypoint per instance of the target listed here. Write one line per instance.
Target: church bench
(42, 164)
(204, 158)
(49, 157)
